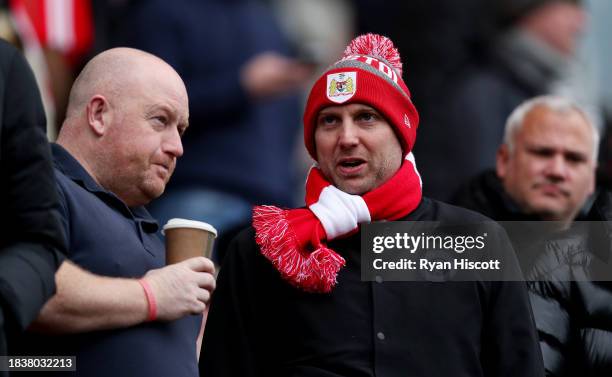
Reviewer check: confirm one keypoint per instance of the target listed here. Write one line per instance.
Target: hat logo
(341, 86)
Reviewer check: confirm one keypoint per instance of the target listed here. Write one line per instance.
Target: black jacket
(486, 195)
(571, 294)
(30, 237)
(259, 325)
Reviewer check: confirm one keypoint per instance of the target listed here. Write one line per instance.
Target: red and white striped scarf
(294, 240)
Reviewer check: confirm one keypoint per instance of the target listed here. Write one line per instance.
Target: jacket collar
(71, 168)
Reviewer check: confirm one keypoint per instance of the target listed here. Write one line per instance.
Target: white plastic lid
(184, 223)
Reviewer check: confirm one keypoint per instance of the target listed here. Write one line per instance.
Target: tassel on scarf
(314, 271)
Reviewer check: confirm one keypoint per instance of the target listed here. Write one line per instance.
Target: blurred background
(248, 64)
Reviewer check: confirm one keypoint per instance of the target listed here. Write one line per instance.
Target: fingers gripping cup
(187, 239)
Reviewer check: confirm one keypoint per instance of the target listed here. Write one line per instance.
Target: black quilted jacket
(571, 295)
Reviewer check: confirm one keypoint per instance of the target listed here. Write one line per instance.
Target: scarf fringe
(312, 272)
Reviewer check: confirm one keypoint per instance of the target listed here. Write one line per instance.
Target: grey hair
(555, 103)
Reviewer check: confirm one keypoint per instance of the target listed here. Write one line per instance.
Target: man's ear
(501, 160)
(98, 114)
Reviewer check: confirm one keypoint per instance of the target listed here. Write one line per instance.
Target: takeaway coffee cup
(187, 239)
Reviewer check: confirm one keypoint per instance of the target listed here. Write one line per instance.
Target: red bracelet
(150, 299)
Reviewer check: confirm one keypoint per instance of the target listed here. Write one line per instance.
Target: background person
(31, 242)
(545, 166)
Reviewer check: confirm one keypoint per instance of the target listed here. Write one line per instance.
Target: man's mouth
(167, 169)
(551, 189)
(351, 165)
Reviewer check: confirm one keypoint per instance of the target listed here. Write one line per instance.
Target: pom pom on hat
(376, 46)
(369, 72)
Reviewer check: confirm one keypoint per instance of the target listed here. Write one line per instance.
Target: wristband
(150, 299)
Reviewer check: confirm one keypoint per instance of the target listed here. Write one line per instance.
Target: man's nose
(348, 135)
(557, 167)
(173, 144)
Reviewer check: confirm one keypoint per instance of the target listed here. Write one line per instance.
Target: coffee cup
(187, 239)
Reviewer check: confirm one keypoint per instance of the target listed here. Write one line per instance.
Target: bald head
(111, 74)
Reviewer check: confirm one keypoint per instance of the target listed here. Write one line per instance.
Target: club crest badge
(341, 86)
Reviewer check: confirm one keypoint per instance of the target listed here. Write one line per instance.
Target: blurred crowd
(468, 65)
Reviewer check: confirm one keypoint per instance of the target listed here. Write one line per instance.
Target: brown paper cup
(187, 239)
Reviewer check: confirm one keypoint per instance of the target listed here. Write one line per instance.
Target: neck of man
(75, 149)
(554, 223)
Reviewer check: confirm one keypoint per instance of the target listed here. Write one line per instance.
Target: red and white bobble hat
(370, 73)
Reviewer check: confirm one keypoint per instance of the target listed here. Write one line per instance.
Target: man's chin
(154, 190)
(352, 189)
(549, 210)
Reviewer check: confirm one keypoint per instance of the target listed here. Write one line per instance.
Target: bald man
(117, 308)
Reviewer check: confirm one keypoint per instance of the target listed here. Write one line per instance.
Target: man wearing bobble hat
(290, 300)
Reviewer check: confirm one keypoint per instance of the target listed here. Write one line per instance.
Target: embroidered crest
(341, 86)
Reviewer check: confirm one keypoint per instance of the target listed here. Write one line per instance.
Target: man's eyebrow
(576, 152)
(158, 107)
(164, 107)
(538, 146)
(168, 109)
(326, 112)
